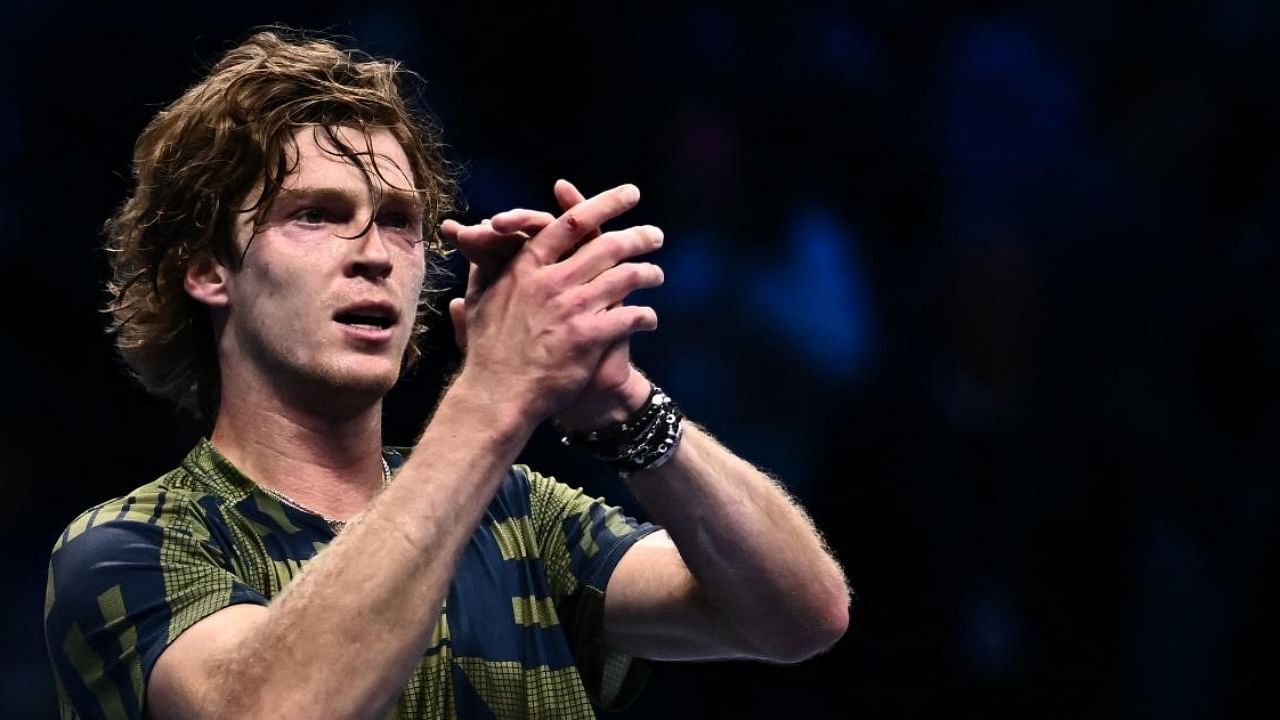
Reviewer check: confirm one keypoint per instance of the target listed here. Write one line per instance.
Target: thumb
(458, 315)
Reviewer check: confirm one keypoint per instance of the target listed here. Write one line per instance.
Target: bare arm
(741, 572)
(750, 578)
(345, 636)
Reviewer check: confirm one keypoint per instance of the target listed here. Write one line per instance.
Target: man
(269, 268)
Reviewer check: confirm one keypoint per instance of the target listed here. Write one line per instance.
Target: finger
(522, 221)
(458, 315)
(477, 281)
(568, 195)
(616, 283)
(465, 235)
(580, 220)
(491, 252)
(483, 245)
(624, 321)
(449, 230)
(610, 249)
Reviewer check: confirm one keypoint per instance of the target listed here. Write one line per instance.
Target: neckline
(214, 469)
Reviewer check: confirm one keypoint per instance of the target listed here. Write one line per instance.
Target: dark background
(990, 285)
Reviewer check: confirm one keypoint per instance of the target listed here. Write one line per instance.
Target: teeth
(364, 321)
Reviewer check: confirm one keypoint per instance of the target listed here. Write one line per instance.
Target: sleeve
(125, 580)
(581, 539)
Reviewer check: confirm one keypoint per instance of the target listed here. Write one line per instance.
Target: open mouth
(367, 317)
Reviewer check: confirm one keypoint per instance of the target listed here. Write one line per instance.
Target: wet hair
(199, 159)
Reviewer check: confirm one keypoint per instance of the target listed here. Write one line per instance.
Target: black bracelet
(644, 441)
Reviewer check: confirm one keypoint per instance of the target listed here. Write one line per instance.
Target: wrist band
(644, 441)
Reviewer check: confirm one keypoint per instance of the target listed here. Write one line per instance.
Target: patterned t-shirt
(519, 636)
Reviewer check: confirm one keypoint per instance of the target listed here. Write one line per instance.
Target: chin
(373, 384)
(361, 381)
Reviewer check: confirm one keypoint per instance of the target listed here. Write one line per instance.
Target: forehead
(321, 162)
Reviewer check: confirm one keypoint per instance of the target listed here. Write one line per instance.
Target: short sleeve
(125, 580)
(581, 539)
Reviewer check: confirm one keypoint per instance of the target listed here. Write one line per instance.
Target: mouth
(370, 317)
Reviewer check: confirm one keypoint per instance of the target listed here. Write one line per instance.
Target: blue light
(817, 301)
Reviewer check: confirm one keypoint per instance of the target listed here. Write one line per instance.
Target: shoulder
(534, 493)
(172, 503)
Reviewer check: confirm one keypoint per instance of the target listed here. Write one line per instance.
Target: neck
(327, 460)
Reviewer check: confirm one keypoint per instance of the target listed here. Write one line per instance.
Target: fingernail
(630, 193)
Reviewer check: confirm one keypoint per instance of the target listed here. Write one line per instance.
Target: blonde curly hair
(202, 155)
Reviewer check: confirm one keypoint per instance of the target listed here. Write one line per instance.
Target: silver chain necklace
(334, 525)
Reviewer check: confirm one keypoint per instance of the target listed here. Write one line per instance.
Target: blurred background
(989, 285)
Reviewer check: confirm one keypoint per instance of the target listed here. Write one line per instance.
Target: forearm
(754, 554)
(343, 638)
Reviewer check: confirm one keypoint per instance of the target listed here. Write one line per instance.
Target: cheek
(276, 288)
(414, 277)
(412, 294)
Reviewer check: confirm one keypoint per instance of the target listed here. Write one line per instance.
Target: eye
(405, 223)
(397, 220)
(310, 216)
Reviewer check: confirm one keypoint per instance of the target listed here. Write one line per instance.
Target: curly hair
(204, 153)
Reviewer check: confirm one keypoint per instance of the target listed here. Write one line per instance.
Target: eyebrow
(390, 196)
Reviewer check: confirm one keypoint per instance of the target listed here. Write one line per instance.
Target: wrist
(644, 441)
(492, 412)
(624, 401)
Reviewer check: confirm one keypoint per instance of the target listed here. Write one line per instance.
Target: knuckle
(629, 242)
(616, 244)
(560, 305)
(578, 333)
(570, 220)
(637, 241)
(648, 317)
(640, 274)
(570, 305)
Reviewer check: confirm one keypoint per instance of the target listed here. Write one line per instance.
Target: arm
(321, 650)
(743, 572)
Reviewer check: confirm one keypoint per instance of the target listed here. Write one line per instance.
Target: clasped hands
(543, 312)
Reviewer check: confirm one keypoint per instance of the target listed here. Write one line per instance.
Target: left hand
(616, 390)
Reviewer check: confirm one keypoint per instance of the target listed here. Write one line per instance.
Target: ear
(206, 281)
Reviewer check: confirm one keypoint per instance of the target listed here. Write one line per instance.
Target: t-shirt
(519, 635)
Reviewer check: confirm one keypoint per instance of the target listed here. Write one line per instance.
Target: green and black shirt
(519, 636)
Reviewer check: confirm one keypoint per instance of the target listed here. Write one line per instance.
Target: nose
(369, 256)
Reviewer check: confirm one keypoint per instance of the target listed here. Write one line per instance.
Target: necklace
(334, 525)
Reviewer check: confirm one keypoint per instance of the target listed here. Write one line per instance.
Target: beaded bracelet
(644, 441)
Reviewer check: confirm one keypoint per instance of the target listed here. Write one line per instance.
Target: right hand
(537, 327)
